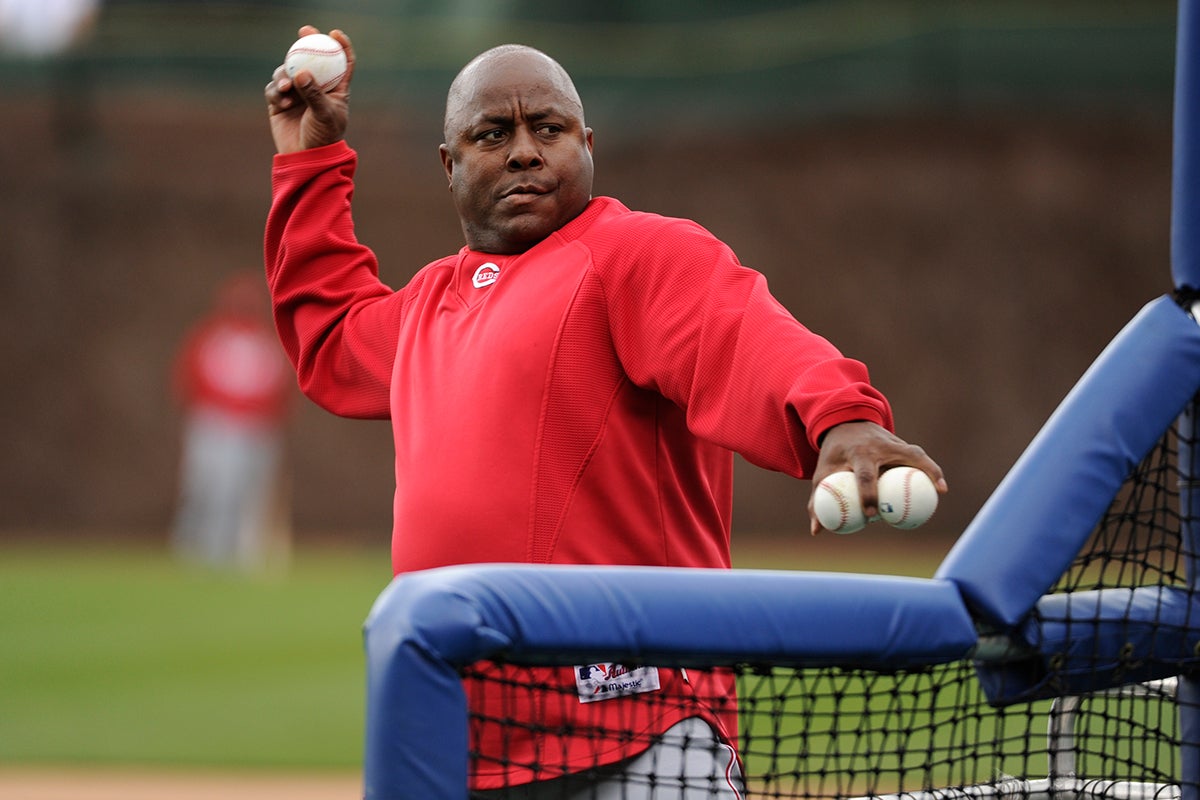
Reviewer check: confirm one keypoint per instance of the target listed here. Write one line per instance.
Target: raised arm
(337, 322)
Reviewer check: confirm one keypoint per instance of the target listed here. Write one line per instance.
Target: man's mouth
(524, 191)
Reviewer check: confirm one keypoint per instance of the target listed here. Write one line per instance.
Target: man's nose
(526, 151)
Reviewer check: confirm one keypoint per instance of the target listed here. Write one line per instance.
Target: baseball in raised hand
(304, 112)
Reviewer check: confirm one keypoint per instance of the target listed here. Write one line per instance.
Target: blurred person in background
(43, 28)
(234, 386)
(55, 32)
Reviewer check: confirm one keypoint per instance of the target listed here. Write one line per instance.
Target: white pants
(689, 762)
(227, 485)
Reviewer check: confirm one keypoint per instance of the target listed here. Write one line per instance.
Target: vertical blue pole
(416, 726)
(1188, 700)
(1185, 192)
(1185, 271)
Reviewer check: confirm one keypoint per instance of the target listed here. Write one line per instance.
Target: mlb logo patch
(606, 680)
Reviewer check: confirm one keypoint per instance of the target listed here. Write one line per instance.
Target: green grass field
(127, 657)
(123, 656)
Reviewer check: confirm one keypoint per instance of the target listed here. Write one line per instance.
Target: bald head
(517, 154)
(484, 66)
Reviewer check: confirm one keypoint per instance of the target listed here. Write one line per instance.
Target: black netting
(840, 732)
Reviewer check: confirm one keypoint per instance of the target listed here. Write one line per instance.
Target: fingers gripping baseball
(866, 450)
(302, 113)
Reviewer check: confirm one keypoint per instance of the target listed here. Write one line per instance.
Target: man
(231, 381)
(568, 388)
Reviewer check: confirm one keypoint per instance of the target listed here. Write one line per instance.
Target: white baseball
(837, 504)
(907, 497)
(319, 54)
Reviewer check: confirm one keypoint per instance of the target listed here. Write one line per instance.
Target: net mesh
(846, 732)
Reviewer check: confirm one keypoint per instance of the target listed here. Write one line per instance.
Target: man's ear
(447, 161)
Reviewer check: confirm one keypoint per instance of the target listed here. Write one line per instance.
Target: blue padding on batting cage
(1091, 641)
(1185, 179)
(409, 754)
(1188, 700)
(1037, 520)
(426, 624)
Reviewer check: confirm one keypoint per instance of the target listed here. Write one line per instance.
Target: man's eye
(492, 136)
(549, 130)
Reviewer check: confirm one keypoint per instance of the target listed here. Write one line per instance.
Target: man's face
(517, 153)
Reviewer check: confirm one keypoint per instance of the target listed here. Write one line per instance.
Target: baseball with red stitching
(907, 497)
(321, 55)
(837, 504)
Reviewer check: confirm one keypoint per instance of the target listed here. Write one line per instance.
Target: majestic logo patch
(607, 680)
(486, 275)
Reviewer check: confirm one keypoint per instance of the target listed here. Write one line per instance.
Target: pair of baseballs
(321, 55)
(907, 499)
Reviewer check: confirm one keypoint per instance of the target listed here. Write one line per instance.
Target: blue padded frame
(1083, 642)
(1185, 166)
(1047, 506)
(426, 625)
(1185, 271)
(1040, 516)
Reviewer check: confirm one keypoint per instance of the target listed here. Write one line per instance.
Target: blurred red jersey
(231, 363)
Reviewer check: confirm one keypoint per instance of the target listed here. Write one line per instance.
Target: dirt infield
(108, 784)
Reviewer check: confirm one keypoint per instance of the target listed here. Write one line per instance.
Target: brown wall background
(977, 261)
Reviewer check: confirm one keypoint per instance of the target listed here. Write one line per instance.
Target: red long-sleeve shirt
(576, 403)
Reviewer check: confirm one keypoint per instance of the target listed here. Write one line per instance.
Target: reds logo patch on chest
(607, 680)
(485, 275)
